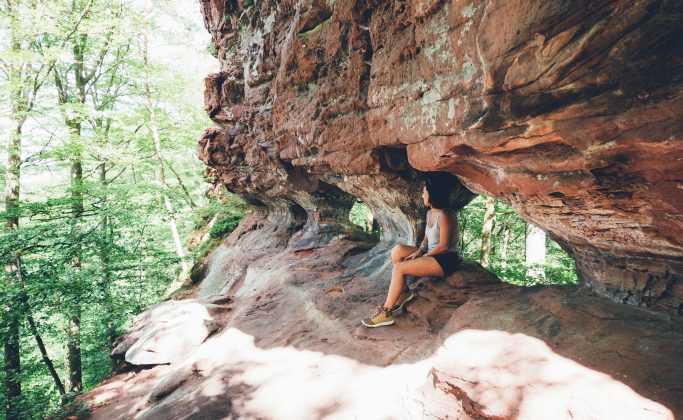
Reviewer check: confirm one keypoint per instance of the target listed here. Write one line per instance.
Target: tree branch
(187, 193)
(66, 39)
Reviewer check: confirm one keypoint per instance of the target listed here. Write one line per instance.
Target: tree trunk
(504, 248)
(535, 252)
(75, 95)
(461, 240)
(104, 258)
(12, 317)
(34, 330)
(184, 266)
(487, 228)
(143, 274)
(182, 185)
(43, 352)
(75, 381)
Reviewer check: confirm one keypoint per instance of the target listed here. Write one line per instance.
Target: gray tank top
(433, 233)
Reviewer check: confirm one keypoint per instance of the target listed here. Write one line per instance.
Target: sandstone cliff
(567, 110)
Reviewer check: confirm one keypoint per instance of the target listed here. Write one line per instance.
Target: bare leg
(423, 266)
(399, 252)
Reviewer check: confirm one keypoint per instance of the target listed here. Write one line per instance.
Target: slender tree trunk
(11, 315)
(77, 74)
(184, 266)
(75, 381)
(182, 185)
(143, 274)
(46, 358)
(104, 258)
(535, 251)
(24, 80)
(489, 216)
(461, 241)
(504, 248)
(34, 330)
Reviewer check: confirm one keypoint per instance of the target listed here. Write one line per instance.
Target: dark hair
(438, 194)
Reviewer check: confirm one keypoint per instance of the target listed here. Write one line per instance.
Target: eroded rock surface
(567, 110)
(469, 346)
(169, 332)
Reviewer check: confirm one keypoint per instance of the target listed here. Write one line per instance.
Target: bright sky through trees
(180, 43)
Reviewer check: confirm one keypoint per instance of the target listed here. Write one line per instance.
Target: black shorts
(449, 261)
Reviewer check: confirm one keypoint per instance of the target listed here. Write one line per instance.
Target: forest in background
(494, 235)
(105, 205)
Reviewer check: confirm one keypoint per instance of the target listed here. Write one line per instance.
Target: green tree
(95, 244)
(480, 237)
(24, 70)
(74, 79)
(487, 228)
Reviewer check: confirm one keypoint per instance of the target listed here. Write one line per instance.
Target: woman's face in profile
(425, 196)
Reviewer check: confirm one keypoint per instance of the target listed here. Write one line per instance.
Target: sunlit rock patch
(293, 328)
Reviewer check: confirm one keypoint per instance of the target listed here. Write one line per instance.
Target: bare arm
(423, 246)
(445, 225)
(420, 251)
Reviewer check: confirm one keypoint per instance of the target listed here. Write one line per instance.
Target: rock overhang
(568, 111)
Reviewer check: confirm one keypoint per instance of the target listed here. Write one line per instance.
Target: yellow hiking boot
(381, 318)
(404, 298)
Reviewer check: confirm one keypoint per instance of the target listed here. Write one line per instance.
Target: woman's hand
(416, 254)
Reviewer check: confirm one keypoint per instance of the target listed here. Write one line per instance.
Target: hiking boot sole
(380, 324)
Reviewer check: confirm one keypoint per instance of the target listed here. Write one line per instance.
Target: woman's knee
(396, 253)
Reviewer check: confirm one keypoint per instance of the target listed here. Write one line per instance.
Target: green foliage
(559, 267)
(123, 236)
(211, 49)
(221, 207)
(205, 248)
(359, 214)
(225, 225)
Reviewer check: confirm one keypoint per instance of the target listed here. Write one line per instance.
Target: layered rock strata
(289, 343)
(567, 110)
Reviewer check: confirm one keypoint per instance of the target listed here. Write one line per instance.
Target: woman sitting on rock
(436, 256)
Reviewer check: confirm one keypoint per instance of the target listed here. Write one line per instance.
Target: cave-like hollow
(567, 111)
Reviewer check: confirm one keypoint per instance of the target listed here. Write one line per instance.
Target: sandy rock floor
(467, 347)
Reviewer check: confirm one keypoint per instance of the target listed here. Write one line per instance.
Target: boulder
(168, 332)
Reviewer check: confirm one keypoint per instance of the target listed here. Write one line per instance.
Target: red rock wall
(567, 110)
